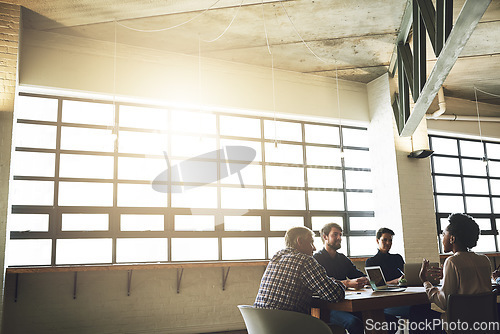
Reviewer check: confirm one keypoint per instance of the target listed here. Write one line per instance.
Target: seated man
(338, 266)
(293, 276)
(392, 265)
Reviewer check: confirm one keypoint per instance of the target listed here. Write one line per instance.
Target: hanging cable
(172, 27)
(230, 23)
(482, 91)
(484, 159)
(338, 107)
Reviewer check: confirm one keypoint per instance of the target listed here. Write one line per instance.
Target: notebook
(377, 280)
(412, 270)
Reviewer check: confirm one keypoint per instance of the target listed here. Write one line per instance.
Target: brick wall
(9, 46)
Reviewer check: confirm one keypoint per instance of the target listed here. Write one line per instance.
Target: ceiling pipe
(464, 118)
(441, 104)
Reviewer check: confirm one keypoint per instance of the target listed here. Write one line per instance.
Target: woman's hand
(423, 270)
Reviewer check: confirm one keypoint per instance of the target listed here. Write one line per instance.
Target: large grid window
(466, 177)
(99, 182)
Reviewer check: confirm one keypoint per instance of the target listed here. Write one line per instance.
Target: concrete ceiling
(356, 38)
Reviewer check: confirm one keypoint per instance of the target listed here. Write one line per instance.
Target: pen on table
(402, 273)
(497, 267)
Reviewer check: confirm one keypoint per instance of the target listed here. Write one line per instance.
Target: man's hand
(357, 283)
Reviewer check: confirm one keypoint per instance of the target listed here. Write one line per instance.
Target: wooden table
(370, 303)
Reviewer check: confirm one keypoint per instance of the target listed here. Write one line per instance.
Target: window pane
(30, 252)
(86, 166)
(250, 174)
(324, 178)
(87, 139)
(29, 222)
(34, 135)
(275, 244)
(495, 187)
(319, 222)
(241, 198)
(362, 245)
(277, 130)
(359, 201)
(142, 117)
(84, 222)
(240, 126)
(478, 204)
(36, 108)
(471, 149)
(32, 192)
(140, 168)
(194, 171)
(193, 122)
(141, 222)
(194, 146)
(284, 176)
(362, 223)
(322, 134)
(85, 194)
(355, 137)
(450, 204)
(356, 158)
(83, 251)
(494, 168)
(493, 150)
(140, 195)
(142, 143)
(285, 223)
(242, 223)
(243, 248)
(446, 165)
(486, 243)
(22, 164)
(201, 197)
(278, 199)
(358, 179)
(496, 206)
(484, 224)
(141, 249)
(323, 156)
(444, 146)
(243, 154)
(445, 184)
(476, 186)
(194, 223)
(87, 113)
(473, 167)
(195, 249)
(284, 153)
(326, 200)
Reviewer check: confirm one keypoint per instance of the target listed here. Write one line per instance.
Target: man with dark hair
(292, 276)
(338, 266)
(392, 265)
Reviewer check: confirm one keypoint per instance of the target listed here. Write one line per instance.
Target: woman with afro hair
(465, 272)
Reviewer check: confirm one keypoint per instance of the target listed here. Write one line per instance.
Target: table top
(367, 299)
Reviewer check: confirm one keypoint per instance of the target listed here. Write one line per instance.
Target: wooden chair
(472, 309)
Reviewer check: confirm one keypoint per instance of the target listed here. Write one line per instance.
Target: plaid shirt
(290, 280)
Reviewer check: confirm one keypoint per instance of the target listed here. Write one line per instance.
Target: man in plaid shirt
(293, 276)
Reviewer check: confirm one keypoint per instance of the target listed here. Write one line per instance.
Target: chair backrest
(471, 311)
(268, 321)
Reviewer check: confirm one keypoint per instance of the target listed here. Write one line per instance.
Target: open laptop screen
(375, 276)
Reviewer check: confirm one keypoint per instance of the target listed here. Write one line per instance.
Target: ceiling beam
(471, 13)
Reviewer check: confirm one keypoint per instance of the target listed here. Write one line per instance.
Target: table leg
(374, 321)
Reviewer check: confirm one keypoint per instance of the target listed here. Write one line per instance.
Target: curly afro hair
(464, 229)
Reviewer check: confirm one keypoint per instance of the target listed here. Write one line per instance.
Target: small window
(83, 251)
(280, 199)
(84, 222)
(242, 223)
(194, 223)
(195, 249)
(243, 248)
(320, 134)
(130, 222)
(29, 222)
(285, 223)
(326, 200)
(141, 249)
(277, 130)
(87, 113)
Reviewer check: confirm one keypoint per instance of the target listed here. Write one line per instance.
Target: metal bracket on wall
(74, 284)
(180, 271)
(224, 277)
(129, 281)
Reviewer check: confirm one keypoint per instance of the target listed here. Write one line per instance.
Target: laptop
(412, 271)
(377, 280)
